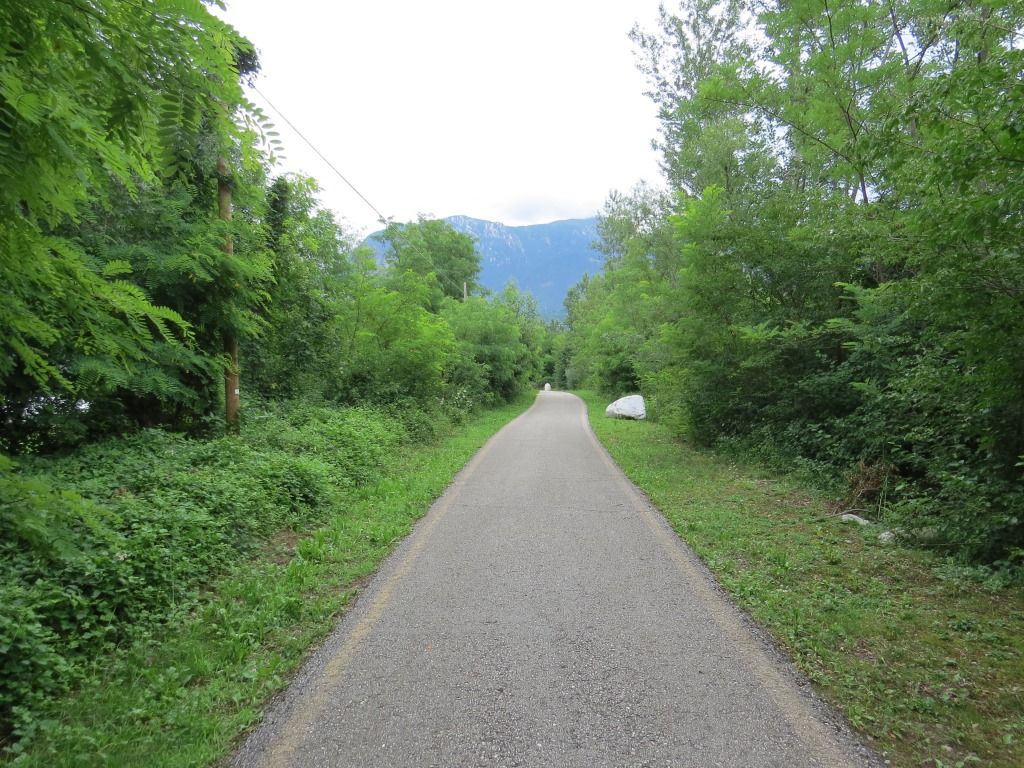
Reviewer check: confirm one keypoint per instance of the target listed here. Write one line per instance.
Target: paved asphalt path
(543, 614)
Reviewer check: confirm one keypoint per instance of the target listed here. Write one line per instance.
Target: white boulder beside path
(629, 407)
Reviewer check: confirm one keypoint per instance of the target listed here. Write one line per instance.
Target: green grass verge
(925, 659)
(183, 697)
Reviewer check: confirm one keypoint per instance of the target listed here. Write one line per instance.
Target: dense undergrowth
(151, 557)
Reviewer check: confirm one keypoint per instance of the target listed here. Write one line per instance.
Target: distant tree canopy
(834, 278)
(342, 328)
(433, 248)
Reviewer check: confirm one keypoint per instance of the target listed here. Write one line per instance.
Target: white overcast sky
(521, 112)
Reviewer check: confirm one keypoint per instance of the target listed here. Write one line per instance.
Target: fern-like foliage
(95, 96)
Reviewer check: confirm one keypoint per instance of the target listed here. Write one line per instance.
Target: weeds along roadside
(924, 657)
(190, 578)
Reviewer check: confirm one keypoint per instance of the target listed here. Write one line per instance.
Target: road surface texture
(544, 614)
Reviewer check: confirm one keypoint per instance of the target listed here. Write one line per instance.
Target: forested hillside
(833, 280)
(156, 274)
(544, 260)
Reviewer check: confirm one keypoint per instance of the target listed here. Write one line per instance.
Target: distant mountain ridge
(545, 260)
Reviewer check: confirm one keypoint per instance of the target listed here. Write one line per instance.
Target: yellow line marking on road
(800, 716)
(298, 726)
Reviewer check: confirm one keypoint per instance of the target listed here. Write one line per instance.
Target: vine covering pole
(231, 384)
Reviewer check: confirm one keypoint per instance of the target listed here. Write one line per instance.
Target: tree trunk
(231, 384)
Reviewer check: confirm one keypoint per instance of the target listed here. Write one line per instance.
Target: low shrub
(100, 547)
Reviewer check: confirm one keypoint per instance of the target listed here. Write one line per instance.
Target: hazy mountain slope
(544, 259)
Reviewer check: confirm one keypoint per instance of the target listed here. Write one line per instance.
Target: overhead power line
(380, 216)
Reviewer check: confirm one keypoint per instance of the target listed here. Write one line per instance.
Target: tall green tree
(432, 248)
(490, 353)
(98, 99)
(706, 139)
(615, 317)
(337, 327)
(297, 354)
(845, 282)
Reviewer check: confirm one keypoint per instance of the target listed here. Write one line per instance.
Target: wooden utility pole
(231, 389)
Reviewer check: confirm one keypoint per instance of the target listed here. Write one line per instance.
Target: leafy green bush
(100, 547)
(831, 285)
